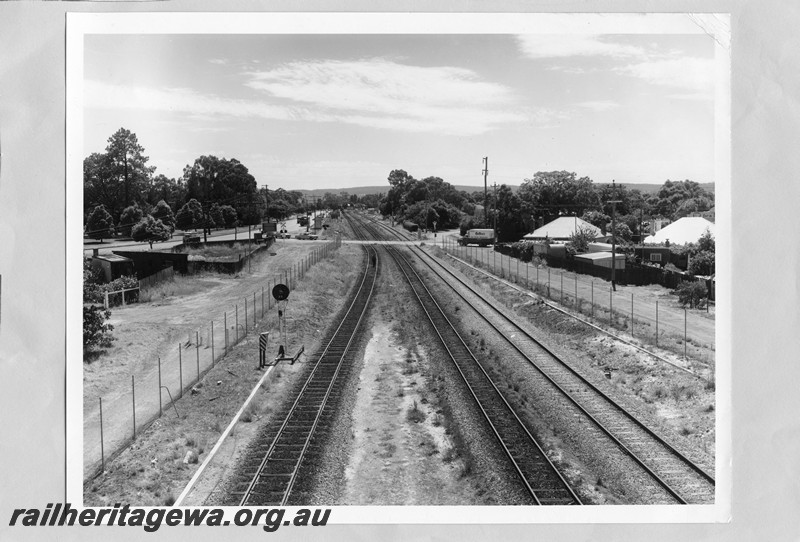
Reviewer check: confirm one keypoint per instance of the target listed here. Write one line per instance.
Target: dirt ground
(160, 462)
(178, 330)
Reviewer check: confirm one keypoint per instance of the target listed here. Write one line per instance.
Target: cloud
(574, 45)
(372, 93)
(385, 94)
(690, 73)
(598, 105)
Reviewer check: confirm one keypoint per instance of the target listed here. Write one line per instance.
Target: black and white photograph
(401, 262)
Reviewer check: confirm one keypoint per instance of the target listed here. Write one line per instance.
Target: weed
(415, 415)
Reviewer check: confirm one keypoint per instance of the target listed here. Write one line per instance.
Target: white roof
(681, 232)
(599, 256)
(561, 228)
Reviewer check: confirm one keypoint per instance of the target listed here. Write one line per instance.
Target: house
(681, 232)
(562, 228)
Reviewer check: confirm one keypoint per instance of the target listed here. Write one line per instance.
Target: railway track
(271, 470)
(680, 477)
(540, 477)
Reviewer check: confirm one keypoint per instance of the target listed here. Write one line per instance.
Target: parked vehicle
(307, 236)
(480, 237)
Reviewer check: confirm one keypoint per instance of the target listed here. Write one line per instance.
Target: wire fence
(152, 394)
(686, 332)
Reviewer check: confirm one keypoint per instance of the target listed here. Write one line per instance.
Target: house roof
(562, 228)
(681, 232)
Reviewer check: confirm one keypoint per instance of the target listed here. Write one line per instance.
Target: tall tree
(128, 163)
(218, 180)
(673, 195)
(100, 187)
(552, 193)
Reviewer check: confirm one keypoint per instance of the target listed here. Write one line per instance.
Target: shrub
(96, 333)
(691, 293)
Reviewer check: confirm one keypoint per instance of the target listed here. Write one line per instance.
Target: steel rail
(542, 466)
(562, 364)
(348, 327)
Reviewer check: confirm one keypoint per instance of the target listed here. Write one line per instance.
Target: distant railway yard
(402, 369)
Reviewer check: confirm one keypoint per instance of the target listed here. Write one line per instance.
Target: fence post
(631, 314)
(562, 287)
(684, 332)
(133, 394)
(226, 331)
(105, 302)
(160, 410)
(610, 307)
(212, 343)
(197, 352)
(576, 291)
(592, 298)
(180, 368)
(102, 451)
(254, 311)
(656, 322)
(245, 316)
(237, 323)
(123, 297)
(269, 297)
(262, 302)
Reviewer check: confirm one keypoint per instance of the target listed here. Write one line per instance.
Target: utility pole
(266, 196)
(485, 192)
(613, 203)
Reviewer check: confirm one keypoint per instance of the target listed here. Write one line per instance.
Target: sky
(311, 111)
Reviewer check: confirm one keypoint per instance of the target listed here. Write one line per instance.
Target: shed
(602, 259)
(112, 266)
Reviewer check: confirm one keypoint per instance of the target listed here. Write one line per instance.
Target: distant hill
(644, 188)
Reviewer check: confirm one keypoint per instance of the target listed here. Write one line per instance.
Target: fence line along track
(274, 472)
(674, 472)
(541, 479)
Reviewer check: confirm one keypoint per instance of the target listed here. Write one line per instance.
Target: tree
(163, 212)
(598, 219)
(218, 180)
(190, 216)
(130, 216)
(550, 194)
(99, 225)
(127, 163)
(171, 191)
(702, 263)
(691, 293)
(675, 196)
(149, 229)
(579, 240)
(100, 187)
(229, 216)
(95, 331)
